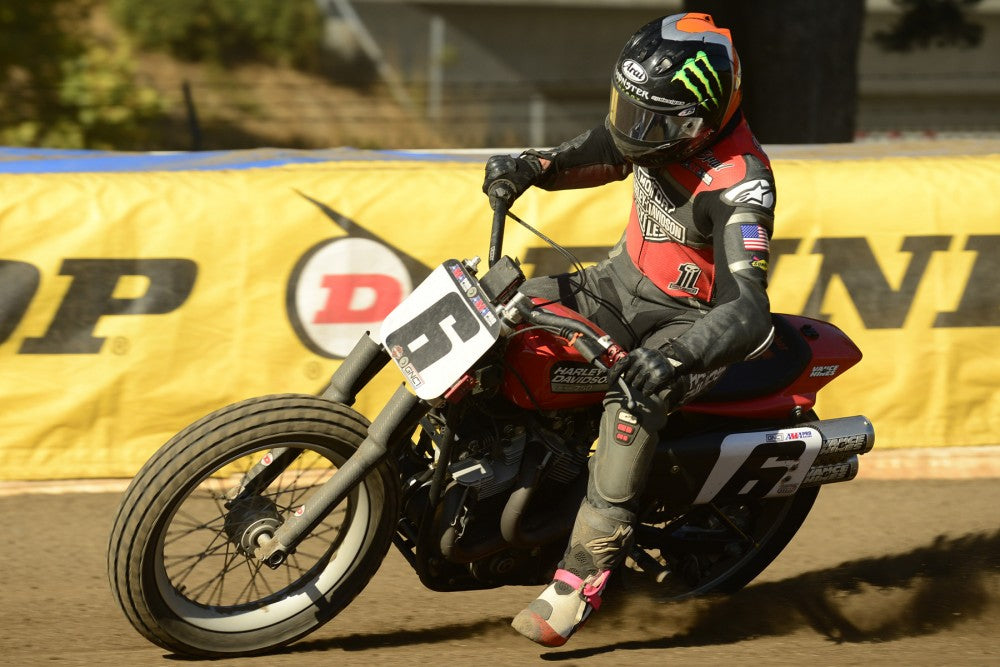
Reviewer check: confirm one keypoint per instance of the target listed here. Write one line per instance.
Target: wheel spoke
(286, 493)
(327, 529)
(219, 579)
(306, 554)
(722, 516)
(175, 561)
(190, 522)
(202, 556)
(293, 560)
(251, 585)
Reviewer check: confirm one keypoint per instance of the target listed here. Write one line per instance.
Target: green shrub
(226, 31)
(60, 88)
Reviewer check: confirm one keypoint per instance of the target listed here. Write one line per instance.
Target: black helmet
(675, 85)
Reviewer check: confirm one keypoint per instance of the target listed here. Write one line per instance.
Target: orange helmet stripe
(694, 22)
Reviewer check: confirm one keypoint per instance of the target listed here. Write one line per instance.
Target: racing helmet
(675, 86)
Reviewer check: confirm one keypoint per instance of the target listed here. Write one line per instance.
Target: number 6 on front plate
(440, 330)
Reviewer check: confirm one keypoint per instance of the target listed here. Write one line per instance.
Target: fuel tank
(544, 372)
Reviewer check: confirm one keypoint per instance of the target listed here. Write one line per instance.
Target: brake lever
(614, 353)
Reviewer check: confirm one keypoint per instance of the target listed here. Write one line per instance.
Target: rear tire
(175, 561)
(704, 554)
(719, 548)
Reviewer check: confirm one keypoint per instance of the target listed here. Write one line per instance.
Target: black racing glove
(507, 177)
(646, 370)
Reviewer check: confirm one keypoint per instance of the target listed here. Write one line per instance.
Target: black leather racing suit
(688, 276)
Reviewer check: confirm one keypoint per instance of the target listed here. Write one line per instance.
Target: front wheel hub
(249, 520)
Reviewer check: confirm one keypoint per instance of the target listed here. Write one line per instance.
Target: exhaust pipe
(708, 468)
(843, 471)
(843, 437)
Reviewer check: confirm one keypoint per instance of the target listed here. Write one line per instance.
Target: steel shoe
(562, 608)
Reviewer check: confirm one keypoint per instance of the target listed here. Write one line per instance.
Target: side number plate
(770, 464)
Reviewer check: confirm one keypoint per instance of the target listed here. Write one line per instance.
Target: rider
(684, 288)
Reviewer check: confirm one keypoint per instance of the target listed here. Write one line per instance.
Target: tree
(60, 88)
(34, 43)
(925, 23)
(226, 31)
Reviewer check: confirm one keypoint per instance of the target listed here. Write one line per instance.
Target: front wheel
(180, 554)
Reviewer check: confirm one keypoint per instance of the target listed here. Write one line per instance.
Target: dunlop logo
(850, 264)
(694, 74)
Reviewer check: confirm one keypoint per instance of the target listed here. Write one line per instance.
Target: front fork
(357, 370)
(394, 424)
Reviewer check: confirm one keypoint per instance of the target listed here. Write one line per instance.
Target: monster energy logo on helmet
(698, 76)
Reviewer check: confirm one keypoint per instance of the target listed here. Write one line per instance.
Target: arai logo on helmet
(634, 71)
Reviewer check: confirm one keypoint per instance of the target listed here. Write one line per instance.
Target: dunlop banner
(133, 303)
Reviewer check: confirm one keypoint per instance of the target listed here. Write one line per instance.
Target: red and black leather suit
(694, 255)
(688, 277)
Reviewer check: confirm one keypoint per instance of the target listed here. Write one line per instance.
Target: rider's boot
(575, 592)
(602, 533)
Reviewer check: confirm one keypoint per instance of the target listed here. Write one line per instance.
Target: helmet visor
(651, 128)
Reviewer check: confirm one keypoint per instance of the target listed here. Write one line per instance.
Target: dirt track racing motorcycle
(262, 521)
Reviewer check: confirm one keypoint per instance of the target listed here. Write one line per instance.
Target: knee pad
(619, 468)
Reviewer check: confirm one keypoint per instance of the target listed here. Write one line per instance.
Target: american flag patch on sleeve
(755, 238)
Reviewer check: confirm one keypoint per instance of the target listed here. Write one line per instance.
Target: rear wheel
(180, 556)
(717, 548)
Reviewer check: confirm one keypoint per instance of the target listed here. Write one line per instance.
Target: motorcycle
(260, 522)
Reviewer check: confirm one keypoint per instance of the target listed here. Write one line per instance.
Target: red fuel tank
(544, 372)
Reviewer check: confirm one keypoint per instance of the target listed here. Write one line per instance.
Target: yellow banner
(131, 304)
(903, 254)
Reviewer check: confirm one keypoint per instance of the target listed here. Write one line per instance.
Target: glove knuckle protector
(507, 177)
(647, 370)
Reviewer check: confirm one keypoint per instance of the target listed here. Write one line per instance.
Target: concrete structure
(507, 72)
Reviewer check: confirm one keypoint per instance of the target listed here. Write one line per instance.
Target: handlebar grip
(500, 207)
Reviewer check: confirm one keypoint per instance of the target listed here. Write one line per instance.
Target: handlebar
(589, 343)
(500, 207)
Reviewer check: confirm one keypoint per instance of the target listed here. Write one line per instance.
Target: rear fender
(806, 355)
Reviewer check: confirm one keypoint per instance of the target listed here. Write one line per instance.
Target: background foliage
(61, 88)
(195, 74)
(226, 31)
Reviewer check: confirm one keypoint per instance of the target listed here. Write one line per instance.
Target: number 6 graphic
(427, 338)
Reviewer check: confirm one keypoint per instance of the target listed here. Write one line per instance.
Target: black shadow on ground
(944, 584)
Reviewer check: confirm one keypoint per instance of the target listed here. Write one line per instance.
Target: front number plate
(438, 332)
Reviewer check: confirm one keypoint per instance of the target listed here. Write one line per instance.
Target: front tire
(176, 562)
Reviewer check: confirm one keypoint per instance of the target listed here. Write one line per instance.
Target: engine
(495, 448)
(507, 502)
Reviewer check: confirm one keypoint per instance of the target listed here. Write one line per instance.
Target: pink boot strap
(568, 577)
(591, 591)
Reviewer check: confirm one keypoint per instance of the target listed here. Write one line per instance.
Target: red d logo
(342, 288)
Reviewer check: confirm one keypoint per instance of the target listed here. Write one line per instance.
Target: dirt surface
(882, 572)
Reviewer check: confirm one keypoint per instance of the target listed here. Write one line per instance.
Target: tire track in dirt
(882, 572)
